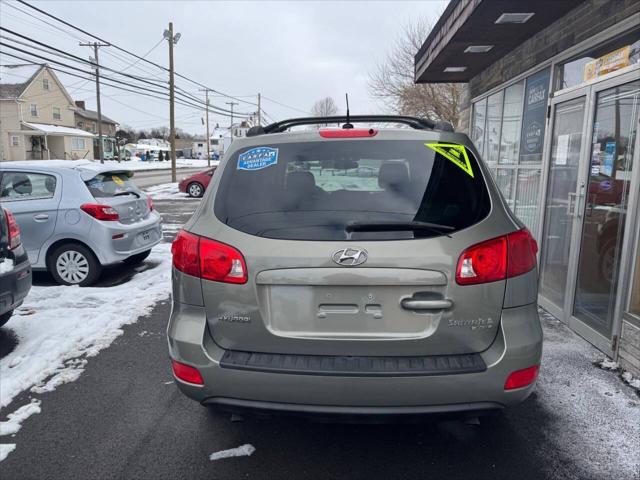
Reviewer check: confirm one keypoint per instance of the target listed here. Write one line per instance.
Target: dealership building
(552, 104)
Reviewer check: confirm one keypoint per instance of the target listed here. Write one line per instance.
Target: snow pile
(59, 324)
(6, 449)
(15, 419)
(634, 382)
(167, 191)
(137, 165)
(588, 413)
(627, 377)
(242, 451)
(6, 265)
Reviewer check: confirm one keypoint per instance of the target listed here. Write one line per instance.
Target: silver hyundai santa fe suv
(360, 272)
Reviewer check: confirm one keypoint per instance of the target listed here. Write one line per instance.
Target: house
(87, 120)
(37, 117)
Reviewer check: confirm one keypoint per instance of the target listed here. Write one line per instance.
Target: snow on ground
(167, 191)
(15, 419)
(593, 416)
(242, 451)
(6, 449)
(138, 165)
(58, 324)
(6, 265)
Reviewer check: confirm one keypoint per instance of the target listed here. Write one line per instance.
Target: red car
(196, 184)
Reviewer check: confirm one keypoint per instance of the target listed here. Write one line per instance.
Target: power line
(64, 22)
(285, 105)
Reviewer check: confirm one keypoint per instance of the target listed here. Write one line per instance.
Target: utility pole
(231, 126)
(259, 112)
(172, 39)
(95, 46)
(206, 100)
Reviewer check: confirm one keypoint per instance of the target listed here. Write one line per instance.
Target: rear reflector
(186, 373)
(521, 378)
(14, 230)
(497, 259)
(349, 133)
(208, 259)
(100, 212)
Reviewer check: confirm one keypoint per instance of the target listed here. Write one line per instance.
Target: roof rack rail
(413, 122)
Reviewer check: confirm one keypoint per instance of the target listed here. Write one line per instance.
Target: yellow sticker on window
(118, 181)
(454, 152)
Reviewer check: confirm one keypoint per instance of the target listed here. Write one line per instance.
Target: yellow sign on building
(607, 63)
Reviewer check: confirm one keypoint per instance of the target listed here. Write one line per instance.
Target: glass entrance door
(613, 138)
(563, 191)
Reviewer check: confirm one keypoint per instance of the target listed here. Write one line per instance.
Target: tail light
(348, 133)
(521, 378)
(186, 373)
(497, 259)
(14, 230)
(100, 212)
(150, 203)
(208, 259)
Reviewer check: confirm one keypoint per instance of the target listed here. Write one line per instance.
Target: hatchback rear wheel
(73, 264)
(195, 189)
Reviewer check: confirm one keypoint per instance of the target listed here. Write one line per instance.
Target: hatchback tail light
(14, 230)
(186, 373)
(100, 212)
(208, 259)
(150, 203)
(496, 259)
(521, 378)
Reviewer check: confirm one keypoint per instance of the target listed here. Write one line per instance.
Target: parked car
(15, 270)
(77, 217)
(305, 284)
(196, 184)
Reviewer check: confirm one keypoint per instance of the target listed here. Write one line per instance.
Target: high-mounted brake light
(521, 378)
(14, 230)
(349, 133)
(496, 259)
(100, 212)
(208, 259)
(186, 373)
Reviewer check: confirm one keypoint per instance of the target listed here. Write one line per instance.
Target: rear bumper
(14, 286)
(131, 240)
(518, 345)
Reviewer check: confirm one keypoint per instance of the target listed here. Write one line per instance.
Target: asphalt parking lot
(125, 419)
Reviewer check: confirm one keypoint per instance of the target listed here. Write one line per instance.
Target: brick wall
(578, 25)
(629, 353)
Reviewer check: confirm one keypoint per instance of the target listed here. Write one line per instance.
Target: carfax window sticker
(454, 152)
(258, 158)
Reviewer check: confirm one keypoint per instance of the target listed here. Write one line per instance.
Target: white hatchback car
(77, 216)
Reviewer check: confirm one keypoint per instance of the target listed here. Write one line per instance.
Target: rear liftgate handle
(412, 304)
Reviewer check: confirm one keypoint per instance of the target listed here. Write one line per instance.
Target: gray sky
(292, 52)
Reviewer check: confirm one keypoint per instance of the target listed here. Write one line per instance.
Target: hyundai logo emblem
(350, 257)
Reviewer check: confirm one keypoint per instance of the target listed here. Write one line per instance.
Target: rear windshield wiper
(397, 227)
(128, 192)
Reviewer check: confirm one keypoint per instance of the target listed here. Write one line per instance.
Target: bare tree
(325, 107)
(393, 81)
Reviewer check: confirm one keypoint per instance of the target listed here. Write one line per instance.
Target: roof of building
(93, 115)
(57, 129)
(14, 79)
(446, 56)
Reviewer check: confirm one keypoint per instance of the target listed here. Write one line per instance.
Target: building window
(214, 142)
(507, 129)
(619, 53)
(56, 113)
(15, 140)
(78, 143)
(45, 84)
(81, 125)
(34, 110)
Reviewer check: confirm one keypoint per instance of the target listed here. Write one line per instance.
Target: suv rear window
(312, 190)
(109, 184)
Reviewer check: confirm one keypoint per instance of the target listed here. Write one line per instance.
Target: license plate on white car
(146, 235)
